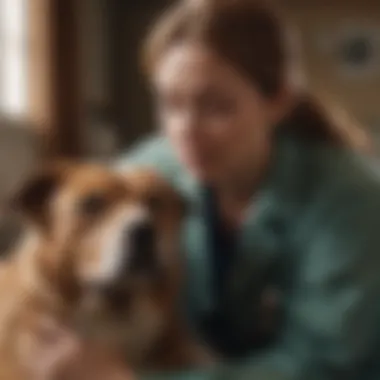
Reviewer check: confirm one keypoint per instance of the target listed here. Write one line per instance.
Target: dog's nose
(116, 296)
(142, 240)
(142, 234)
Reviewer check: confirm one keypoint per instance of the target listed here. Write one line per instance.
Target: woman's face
(218, 123)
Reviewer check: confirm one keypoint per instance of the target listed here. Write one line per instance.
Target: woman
(280, 197)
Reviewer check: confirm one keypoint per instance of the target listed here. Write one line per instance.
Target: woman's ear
(33, 199)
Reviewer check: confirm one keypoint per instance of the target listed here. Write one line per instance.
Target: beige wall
(323, 24)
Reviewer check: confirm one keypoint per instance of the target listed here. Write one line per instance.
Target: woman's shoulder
(348, 174)
(337, 234)
(346, 193)
(155, 152)
(311, 174)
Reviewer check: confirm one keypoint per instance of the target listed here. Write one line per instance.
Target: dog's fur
(75, 267)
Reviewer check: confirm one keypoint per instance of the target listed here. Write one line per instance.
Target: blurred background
(70, 83)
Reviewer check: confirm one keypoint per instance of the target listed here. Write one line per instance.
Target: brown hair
(253, 36)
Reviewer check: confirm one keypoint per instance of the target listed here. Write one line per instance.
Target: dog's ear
(33, 199)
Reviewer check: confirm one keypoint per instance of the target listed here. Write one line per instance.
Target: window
(13, 58)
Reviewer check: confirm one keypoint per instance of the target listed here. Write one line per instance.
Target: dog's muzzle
(142, 249)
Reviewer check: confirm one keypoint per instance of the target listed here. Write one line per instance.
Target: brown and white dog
(102, 259)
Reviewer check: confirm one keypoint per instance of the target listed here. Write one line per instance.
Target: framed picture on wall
(355, 49)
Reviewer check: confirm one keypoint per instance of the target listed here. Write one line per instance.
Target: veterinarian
(280, 196)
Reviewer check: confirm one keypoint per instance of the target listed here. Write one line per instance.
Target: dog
(101, 258)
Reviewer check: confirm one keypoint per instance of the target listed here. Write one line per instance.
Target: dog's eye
(92, 205)
(155, 203)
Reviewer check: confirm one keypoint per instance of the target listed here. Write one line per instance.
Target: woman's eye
(92, 205)
(217, 106)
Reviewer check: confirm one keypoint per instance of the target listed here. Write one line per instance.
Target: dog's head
(107, 243)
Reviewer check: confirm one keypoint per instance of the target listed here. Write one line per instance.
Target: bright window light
(13, 50)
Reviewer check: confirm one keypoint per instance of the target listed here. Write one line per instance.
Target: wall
(19, 158)
(327, 27)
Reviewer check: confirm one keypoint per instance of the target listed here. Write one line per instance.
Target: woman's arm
(153, 152)
(332, 328)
